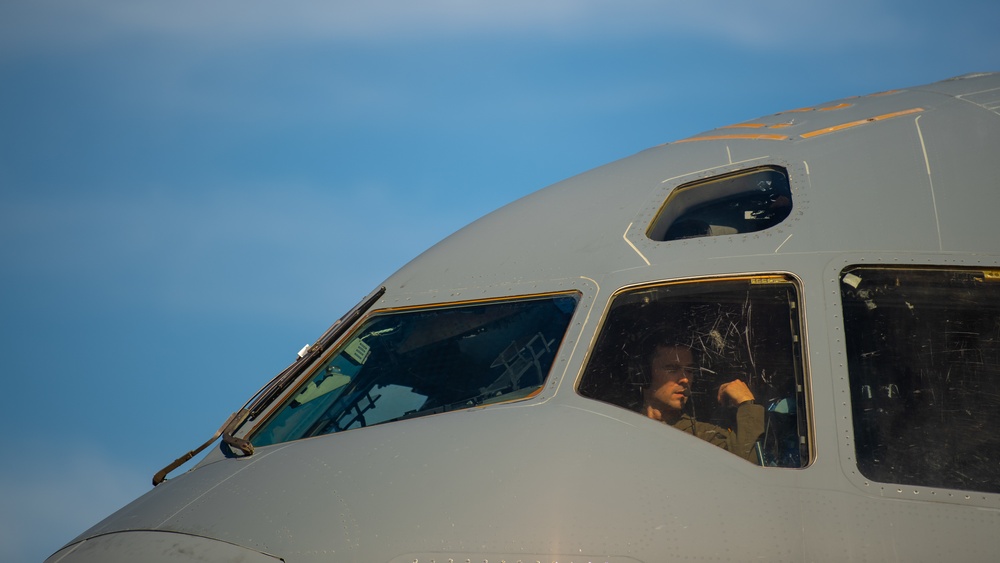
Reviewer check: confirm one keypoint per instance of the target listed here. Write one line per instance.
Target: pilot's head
(669, 365)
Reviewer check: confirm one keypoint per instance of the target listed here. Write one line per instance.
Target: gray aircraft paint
(905, 177)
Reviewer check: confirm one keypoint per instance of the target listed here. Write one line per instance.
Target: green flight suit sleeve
(740, 441)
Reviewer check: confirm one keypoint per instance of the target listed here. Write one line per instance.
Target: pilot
(671, 369)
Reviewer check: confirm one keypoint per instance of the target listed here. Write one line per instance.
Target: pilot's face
(671, 374)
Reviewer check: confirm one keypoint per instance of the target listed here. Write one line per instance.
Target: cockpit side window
(923, 349)
(411, 363)
(718, 358)
(744, 202)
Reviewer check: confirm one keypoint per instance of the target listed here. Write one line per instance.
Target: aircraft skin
(907, 177)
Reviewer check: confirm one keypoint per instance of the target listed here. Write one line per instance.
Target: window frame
(801, 359)
(726, 187)
(902, 488)
(259, 422)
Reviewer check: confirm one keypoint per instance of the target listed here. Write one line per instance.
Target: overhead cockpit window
(923, 351)
(720, 359)
(744, 202)
(412, 363)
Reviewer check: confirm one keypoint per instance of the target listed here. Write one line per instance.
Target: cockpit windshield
(405, 364)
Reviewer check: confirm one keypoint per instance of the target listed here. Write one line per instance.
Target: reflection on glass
(406, 364)
(924, 363)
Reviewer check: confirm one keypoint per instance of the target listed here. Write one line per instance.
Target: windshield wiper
(283, 379)
(260, 400)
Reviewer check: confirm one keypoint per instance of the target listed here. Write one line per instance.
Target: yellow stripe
(886, 93)
(836, 107)
(800, 110)
(805, 110)
(757, 126)
(735, 137)
(848, 125)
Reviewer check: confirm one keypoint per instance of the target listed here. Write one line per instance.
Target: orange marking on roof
(800, 110)
(758, 126)
(806, 110)
(850, 124)
(899, 113)
(751, 137)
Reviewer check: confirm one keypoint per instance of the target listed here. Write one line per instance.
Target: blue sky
(190, 191)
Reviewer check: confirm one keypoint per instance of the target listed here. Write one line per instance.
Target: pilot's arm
(742, 440)
(734, 393)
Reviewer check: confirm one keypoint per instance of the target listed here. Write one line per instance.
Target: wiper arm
(283, 379)
(269, 392)
(231, 423)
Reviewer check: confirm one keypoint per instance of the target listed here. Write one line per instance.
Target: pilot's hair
(665, 337)
(648, 343)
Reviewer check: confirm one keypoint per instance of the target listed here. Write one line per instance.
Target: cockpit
(417, 362)
(737, 328)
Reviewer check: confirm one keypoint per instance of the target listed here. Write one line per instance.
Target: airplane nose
(155, 547)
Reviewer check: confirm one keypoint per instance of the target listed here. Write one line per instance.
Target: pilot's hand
(734, 392)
